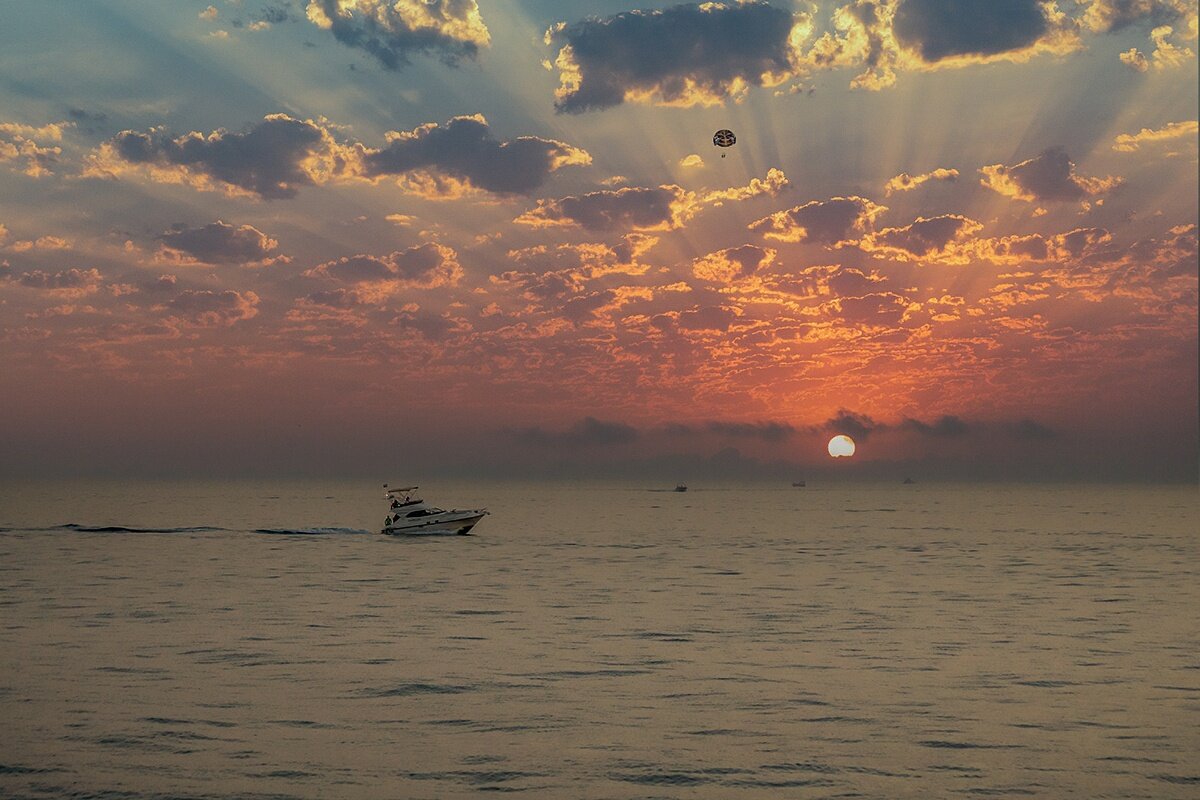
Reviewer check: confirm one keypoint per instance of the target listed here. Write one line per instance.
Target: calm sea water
(593, 641)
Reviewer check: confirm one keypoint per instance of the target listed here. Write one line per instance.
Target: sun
(841, 446)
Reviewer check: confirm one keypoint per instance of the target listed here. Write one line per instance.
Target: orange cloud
(1131, 142)
(905, 182)
(26, 142)
(733, 263)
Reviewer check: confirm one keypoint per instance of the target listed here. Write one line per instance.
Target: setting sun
(841, 446)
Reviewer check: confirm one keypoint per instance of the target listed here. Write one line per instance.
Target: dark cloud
(882, 308)
(357, 269)
(767, 431)
(631, 208)
(1030, 430)
(830, 222)
(589, 431)
(465, 149)
(707, 318)
(274, 14)
(856, 426)
(583, 307)
(269, 160)
(939, 29)
(335, 298)
(925, 236)
(69, 279)
(220, 243)
(277, 156)
(1049, 176)
(431, 326)
(425, 266)
(685, 54)
(393, 30)
(947, 426)
(88, 121)
(1082, 241)
(849, 281)
(208, 308)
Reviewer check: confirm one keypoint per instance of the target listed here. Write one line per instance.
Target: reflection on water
(881, 642)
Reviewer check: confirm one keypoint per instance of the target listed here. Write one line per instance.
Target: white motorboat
(408, 515)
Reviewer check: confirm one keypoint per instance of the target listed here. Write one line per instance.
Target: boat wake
(308, 531)
(73, 526)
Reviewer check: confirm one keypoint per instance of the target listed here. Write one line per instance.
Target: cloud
(588, 432)
(905, 182)
(432, 327)
(767, 431)
(425, 266)
(941, 29)
(278, 156)
(218, 243)
(685, 55)
(212, 308)
(947, 426)
(1133, 142)
(1167, 54)
(40, 243)
(833, 223)
(771, 186)
(1049, 176)
(465, 151)
(1030, 430)
(393, 30)
(572, 263)
(1135, 59)
(1111, 16)
(69, 283)
(856, 426)
(707, 318)
(923, 237)
(271, 160)
(19, 142)
(691, 160)
(923, 35)
(732, 263)
(663, 208)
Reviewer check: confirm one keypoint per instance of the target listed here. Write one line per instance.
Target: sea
(261, 639)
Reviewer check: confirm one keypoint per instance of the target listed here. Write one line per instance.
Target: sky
(495, 237)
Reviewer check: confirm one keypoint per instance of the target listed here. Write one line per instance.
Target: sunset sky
(400, 237)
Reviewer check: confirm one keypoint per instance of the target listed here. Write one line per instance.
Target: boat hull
(452, 526)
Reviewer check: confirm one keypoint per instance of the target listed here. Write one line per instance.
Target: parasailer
(724, 138)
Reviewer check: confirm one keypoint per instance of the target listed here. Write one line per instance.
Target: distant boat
(408, 515)
(679, 487)
(799, 484)
(908, 481)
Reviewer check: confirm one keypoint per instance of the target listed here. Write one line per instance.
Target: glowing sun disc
(841, 446)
